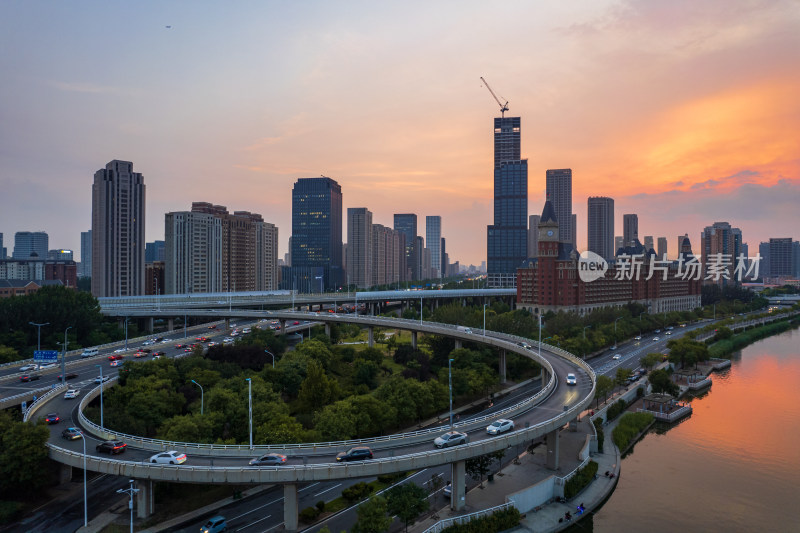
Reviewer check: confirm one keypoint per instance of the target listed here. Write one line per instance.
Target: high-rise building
(423, 265)
(662, 247)
(781, 257)
(118, 223)
(193, 250)
(720, 238)
(85, 270)
(359, 247)
(533, 235)
(2, 248)
(27, 243)
(684, 245)
(507, 237)
(445, 260)
(796, 258)
(574, 237)
(154, 251)
(601, 226)
(649, 243)
(433, 236)
(154, 274)
(60, 255)
(406, 224)
(630, 229)
(558, 188)
(316, 235)
(764, 269)
(618, 243)
(267, 278)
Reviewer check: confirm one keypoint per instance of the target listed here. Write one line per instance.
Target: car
(270, 459)
(656, 339)
(448, 489)
(215, 524)
(212, 327)
(500, 426)
(101, 379)
(668, 333)
(145, 350)
(451, 438)
(157, 355)
(682, 325)
(180, 346)
(46, 365)
(234, 333)
(71, 434)
(657, 331)
(296, 323)
(245, 331)
(169, 458)
(148, 342)
(52, 418)
(165, 341)
(116, 363)
(29, 377)
(111, 447)
(72, 394)
(357, 453)
(614, 347)
(571, 379)
(212, 343)
(114, 357)
(616, 356)
(139, 355)
(669, 328)
(120, 350)
(524, 345)
(28, 368)
(69, 375)
(637, 337)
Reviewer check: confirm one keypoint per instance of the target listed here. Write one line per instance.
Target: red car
(114, 357)
(296, 323)
(180, 346)
(212, 327)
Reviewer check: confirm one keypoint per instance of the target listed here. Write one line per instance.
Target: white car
(28, 368)
(148, 342)
(98, 380)
(637, 337)
(120, 350)
(42, 366)
(656, 339)
(451, 438)
(169, 458)
(500, 426)
(668, 333)
(71, 393)
(166, 341)
(616, 356)
(571, 379)
(245, 331)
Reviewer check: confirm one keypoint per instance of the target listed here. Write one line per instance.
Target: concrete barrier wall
(527, 499)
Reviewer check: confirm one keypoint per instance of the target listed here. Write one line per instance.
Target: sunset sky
(685, 112)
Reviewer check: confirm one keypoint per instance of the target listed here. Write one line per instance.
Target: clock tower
(548, 232)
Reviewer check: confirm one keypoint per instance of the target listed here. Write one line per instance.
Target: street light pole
(250, 402)
(126, 333)
(64, 358)
(584, 330)
(420, 310)
(39, 333)
(85, 505)
(131, 491)
(540, 334)
(273, 357)
(484, 319)
(101, 395)
(201, 396)
(615, 332)
(450, 384)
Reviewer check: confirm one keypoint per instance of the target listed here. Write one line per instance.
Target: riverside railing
(441, 525)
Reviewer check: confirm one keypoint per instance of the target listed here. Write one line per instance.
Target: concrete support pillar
(458, 344)
(414, 340)
(145, 503)
(64, 474)
(502, 366)
(436, 303)
(227, 323)
(371, 336)
(121, 323)
(283, 327)
(458, 499)
(327, 329)
(170, 324)
(290, 507)
(552, 450)
(149, 325)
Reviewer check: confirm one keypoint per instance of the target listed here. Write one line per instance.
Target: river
(733, 465)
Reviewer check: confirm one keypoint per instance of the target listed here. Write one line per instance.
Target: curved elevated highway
(551, 408)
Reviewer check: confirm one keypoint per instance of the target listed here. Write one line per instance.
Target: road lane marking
(327, 490)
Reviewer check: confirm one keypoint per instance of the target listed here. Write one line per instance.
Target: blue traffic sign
(45, 356)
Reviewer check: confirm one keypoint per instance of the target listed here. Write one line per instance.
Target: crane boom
(503, 106)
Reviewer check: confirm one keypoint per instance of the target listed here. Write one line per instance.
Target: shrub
(497, 521)
(388, 479)
(9, 511)
(309, 514)
(616, 409)
(629, 426)
(357, 492)
(582, 477)
(321, 506)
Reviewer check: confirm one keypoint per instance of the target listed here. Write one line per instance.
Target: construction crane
(503, 107)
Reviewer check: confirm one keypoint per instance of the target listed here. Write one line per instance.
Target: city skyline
(204, 106)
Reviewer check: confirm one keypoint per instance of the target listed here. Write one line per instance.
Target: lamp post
(540, 334)
(201, 396)
(615, 332)
(584, 330)
(273, 357)
(450, 384)
(250, 409)
(420, 310)
(85, 507)
(64, 358)
(39, 333)
(484, 319)
(126, 333)
(131, 491)
(101, 395)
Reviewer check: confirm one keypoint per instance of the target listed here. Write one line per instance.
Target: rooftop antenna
(503, 106)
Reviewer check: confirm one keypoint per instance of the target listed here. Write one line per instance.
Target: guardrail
(441, 525)
(35, 406)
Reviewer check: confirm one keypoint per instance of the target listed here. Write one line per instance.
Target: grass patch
(337, 504)
(629, 427)
(724, 348)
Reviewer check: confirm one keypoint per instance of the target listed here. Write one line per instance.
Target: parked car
(29, 377)
(52, 418)
(358, 453)
(215, 524)
(71, 394)
(71, 434)
(571, 379)
(70, 375)
(500, 426)
(270, 459)
(111, 447)
(169, 458)
(451, 438)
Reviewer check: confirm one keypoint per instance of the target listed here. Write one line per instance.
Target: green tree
(650, 360)
(604, 386)
(407, 501)
(621, 378)
(8, 354)
(478, 467)
(317, 389)
(661, 382)
(24, 466)
(687, 351)
(372, 517)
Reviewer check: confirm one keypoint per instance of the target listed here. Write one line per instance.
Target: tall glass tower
(507, 238)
